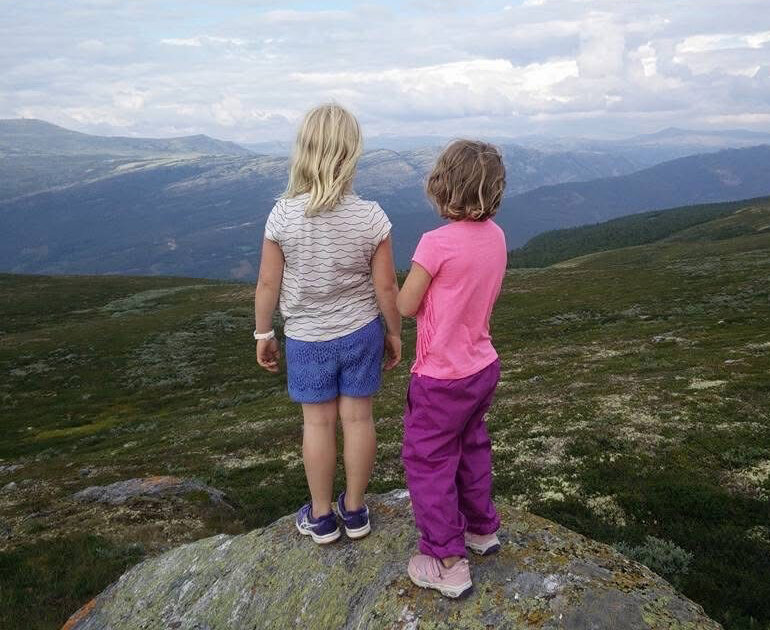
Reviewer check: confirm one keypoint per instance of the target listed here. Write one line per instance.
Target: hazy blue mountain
(204, 216)
(166, 210)
(271, 147)
(711, 177)
(31, 136)
(654, 148)
(198, 217)
(36, 156)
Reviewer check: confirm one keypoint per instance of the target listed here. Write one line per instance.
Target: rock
(545, 576)
(148, 487)
(10, 468)
(667, 338)
(10, 487)
(85, 472)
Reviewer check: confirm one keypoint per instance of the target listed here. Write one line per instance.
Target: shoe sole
(325, 539)
(360, 532)
(455, 593)
(480, 550)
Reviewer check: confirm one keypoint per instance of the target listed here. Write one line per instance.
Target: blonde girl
(327, 257)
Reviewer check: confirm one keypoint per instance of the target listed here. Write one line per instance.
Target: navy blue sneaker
(322, 530)
(356, 522)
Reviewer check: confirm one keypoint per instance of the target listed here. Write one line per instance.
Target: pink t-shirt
(467, 261)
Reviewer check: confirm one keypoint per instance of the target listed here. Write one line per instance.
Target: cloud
(246, 70)
(201, 40)
(454, 89)
(722, 41)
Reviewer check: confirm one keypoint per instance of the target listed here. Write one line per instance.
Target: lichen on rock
(545, 576)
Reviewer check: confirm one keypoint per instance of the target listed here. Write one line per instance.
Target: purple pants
(447, 456)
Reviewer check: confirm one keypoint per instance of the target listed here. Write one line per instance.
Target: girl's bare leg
(360, 447)
(319, 453)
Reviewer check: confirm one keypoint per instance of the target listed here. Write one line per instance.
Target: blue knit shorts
(350, 365)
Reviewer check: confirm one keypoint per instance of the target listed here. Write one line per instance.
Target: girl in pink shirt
(456, 274)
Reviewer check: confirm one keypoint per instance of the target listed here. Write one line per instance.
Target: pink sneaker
(429, 572)
(482, 544)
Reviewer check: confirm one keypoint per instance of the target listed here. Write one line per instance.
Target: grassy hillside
(633, 404)
(640, 229)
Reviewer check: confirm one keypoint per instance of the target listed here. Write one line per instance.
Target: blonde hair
(325, 156)
(467, 181)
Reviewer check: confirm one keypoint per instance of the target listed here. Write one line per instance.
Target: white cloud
(722, 41)
(453, 89)
(91, 45)
(176, 41)
(602, 47)
(247, 70)
(201, 40)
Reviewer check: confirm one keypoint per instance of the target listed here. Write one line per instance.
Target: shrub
(662, 556)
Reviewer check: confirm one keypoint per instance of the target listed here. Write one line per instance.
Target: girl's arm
(265, 301)
(386, 290)
(411, 294)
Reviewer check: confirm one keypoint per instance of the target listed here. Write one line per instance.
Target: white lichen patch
(557, 488)
(603, 353)
(144, 300)
(638, 425)
(614, 403)
(752, 480)
(699, 383)
(760, 534)
(292, 459)
(607, 509)
(536, 453)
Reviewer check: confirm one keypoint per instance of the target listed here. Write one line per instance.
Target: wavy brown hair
(468, 181)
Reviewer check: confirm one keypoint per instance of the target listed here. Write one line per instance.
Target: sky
(247, 70)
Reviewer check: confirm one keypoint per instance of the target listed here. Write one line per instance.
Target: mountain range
(195, 206)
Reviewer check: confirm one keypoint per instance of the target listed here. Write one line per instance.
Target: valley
(196, 206)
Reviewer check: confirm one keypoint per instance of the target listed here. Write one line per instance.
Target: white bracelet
(264, 336)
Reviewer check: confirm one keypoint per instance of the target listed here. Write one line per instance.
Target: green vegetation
(637, 229)
(662, 556)
(633, 404)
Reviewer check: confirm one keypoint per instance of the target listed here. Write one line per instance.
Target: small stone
(10, 487)
(401, 591)
(85, 472)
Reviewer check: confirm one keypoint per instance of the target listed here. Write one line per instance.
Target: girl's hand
(392, 351)
(269, 354)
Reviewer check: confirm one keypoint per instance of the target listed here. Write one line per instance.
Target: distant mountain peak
(34, 136)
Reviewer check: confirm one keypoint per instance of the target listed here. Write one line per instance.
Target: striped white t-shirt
(327, 289)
